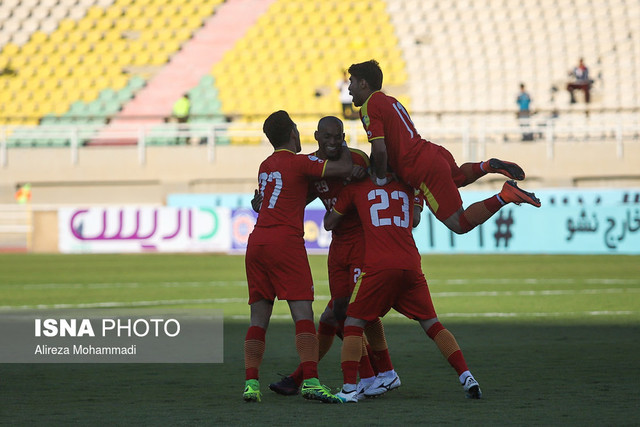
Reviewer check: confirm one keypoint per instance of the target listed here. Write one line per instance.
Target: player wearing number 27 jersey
(278, 233)
(276, 260)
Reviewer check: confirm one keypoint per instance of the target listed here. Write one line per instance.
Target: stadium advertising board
(316, 238)
(131, 229)
(570, 221)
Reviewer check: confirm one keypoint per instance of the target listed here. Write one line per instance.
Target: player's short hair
(368, 71)
(328, 119)
(278, 127)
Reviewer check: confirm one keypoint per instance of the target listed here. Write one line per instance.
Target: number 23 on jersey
(382, 213)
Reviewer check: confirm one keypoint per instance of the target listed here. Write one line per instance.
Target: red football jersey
(408, 154)
(327, 190)
(283, 180)
(386, 214)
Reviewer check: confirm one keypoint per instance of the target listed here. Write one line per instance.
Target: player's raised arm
(379, 159)
(341, 167)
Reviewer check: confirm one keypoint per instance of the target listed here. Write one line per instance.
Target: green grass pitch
(553, 340)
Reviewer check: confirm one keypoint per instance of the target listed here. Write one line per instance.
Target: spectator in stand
(181, 110)
(524, 101)
(581, 82)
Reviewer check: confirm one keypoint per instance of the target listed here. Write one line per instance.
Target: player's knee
(464, 225)
(458, 223)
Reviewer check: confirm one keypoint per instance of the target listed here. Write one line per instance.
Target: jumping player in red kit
(427, 167)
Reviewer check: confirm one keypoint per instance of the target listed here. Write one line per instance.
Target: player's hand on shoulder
(358, 173)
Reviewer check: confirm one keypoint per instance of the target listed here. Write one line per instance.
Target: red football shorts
(278, 270)
(440, 185)
(344, 264)
(377, 292)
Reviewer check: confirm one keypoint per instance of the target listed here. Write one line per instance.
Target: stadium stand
(215, 35)
(67, 52)
(293, 56)
(471, 56)
(74, 70)
(454, 63)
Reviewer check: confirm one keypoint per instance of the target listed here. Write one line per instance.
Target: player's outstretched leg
(465, 220)
(508, 169)
(448, 346)
(470, 172)
(511, 193)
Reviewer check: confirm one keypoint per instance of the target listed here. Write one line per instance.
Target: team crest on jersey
(365, 120)
(315, 159)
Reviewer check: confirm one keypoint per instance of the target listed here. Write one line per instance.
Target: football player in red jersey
(422, 164)
(276, 259)
(391, 278)
(346, 255)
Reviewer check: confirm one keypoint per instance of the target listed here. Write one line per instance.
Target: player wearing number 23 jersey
(392, 277)
(391, 262)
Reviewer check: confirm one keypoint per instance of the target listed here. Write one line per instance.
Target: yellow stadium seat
(118, 81)
(10, 49)
(90, 94)
(86, 25)
(105, 25)
(39, 37)
(95, 13)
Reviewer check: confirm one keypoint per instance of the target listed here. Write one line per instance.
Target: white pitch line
(242, 283)
(115, 304)
(41, 286)
(536, 293)
(487, 315)
(532, 281)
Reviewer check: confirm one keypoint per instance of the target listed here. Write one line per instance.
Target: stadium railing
(471, 130)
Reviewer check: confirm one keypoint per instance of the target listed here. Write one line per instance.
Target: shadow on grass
(530, 374)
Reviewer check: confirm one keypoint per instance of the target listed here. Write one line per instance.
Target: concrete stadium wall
(44, 237)
(114, 175)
